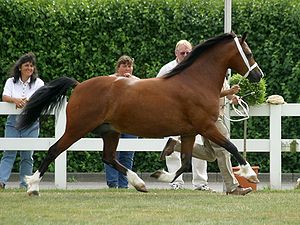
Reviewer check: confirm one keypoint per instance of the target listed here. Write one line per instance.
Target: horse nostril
(254, 76)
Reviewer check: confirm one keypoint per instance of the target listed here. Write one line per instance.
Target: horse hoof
(33, 193)
(156, 174)
(141, 188)
(253, 179)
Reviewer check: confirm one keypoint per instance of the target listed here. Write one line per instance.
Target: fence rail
(273, 145)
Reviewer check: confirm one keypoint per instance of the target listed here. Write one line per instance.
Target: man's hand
(235, 99)
(230, 92)
(234, 89)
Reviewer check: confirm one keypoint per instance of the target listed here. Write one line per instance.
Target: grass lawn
(122, 207)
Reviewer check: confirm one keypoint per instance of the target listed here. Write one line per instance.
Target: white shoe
(298, 184)
(176, 186)
(205, 187)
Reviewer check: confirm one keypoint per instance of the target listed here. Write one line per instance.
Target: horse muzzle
(255, 75)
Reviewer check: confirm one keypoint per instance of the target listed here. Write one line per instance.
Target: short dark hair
(124, 59)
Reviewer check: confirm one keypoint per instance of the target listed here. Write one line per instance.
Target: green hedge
(83, 39)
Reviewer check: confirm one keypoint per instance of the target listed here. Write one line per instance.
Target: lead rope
(244, 112)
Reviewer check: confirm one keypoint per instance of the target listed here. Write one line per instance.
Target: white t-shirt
(21, 89)
(167, 68)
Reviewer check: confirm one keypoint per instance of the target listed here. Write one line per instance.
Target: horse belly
(152, 122)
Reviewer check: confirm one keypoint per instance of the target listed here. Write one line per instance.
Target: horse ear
(244, 37)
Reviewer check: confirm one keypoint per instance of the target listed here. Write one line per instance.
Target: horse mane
(197, 51)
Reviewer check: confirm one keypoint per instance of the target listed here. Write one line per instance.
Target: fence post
(61, 160)
(275, 147)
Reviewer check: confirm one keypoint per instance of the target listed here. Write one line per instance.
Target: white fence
(273, 144)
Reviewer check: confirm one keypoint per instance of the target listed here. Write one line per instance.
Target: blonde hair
(183, 42)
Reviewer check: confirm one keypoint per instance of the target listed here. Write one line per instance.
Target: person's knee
(211, 158)
(205, 152)
(222, 152)
(26, 155)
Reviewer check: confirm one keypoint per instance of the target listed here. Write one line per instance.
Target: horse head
(247, 66)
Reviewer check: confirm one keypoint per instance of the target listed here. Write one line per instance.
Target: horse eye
(249, 55)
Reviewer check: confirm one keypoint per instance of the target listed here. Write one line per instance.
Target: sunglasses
(184, 53)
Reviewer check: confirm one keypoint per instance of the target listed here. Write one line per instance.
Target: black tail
(44, 100)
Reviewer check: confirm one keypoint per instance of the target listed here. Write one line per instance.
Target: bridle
(244, 112)
(250, 68)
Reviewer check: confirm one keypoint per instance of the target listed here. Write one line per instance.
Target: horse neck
(212, 66)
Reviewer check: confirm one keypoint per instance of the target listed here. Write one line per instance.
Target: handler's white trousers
(199, 168)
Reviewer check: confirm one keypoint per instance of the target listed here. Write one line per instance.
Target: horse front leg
(187, 143)
(111, 140)
(246, 170)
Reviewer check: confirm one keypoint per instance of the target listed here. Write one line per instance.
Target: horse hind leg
(34, 180)
(54, 151)
(111, 140)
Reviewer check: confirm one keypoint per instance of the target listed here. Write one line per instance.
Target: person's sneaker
(205, 187)
(240, 191)
(2, 186)
(176, 186)
(298, 184)
(168, 149)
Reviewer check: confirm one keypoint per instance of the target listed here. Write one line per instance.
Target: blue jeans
(114, 178)
(9, 157)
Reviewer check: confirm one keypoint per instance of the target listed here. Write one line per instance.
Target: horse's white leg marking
(247, 172)
(33, 183)
(166, 176)
(136, 181)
